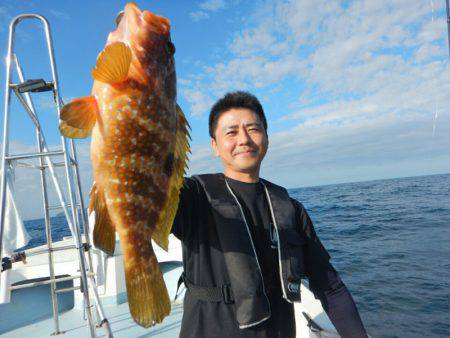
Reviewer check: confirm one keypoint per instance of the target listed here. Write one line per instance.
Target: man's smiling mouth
(250, 151)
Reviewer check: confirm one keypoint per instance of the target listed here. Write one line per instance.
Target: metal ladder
(75, 198)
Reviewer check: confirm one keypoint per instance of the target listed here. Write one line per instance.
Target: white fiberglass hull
(29, 314)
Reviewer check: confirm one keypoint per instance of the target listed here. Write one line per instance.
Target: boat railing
(70, 199)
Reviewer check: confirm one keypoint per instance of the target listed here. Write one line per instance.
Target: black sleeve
(325, 282)
(187, 209)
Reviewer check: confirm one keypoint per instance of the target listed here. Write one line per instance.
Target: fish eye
(170, 48)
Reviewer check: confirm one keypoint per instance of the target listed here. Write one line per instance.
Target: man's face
(240, 140)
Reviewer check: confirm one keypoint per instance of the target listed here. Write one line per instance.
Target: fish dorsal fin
(178, 166)
(113, 63)
(78, 117)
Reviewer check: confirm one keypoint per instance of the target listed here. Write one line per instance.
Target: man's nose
(243, 137)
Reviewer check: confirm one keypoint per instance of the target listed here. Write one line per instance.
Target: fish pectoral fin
(78, 117)
(104, 231)
(148, 299)
(113, 63)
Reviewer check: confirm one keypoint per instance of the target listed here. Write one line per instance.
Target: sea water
(390, 242)
(388, 239)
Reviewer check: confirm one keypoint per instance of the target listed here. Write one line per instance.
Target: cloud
(202, 160)
(60, 15)
(205, 8)
(198, 15)
(355, 77)
(324, 44)
(199, 100)
(212, 5)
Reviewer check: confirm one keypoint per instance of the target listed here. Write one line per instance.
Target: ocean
(390, 242)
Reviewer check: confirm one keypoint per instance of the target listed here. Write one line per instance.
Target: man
(246, 244)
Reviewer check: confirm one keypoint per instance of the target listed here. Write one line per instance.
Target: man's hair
(238, 99)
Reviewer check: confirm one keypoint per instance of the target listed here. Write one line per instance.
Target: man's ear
(214, 146)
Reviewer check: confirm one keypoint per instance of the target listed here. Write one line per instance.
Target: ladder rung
(47, 281)
(33, 251)
(38, 85)
(67, 289)
(57, 207)
(32, 155)
(55, 164)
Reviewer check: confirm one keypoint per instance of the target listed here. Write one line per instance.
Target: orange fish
(139, 151)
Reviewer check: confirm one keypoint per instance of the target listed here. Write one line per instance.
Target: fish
(139, 152)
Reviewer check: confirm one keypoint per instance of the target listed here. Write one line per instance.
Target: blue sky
(352, 90)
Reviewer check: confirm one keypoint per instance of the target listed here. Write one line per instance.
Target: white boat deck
(122, 325)
(29, 314)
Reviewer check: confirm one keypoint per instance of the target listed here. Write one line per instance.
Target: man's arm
(187, 208)
(325, 282)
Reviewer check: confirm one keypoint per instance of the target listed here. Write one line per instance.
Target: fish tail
(148, 298)
(147, 294)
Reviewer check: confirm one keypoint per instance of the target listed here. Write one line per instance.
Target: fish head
(148, 36)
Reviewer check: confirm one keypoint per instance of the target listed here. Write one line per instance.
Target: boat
(30, 312)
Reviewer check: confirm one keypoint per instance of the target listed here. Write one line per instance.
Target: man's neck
(243, 177)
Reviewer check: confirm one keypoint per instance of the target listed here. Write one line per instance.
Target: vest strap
(207, 293)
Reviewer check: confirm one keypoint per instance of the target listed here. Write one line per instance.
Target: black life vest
(251, 302)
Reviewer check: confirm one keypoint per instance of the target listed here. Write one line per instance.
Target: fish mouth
(156, 22)
(133, 15)
(119, 17)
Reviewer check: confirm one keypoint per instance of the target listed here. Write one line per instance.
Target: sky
(352, 90)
